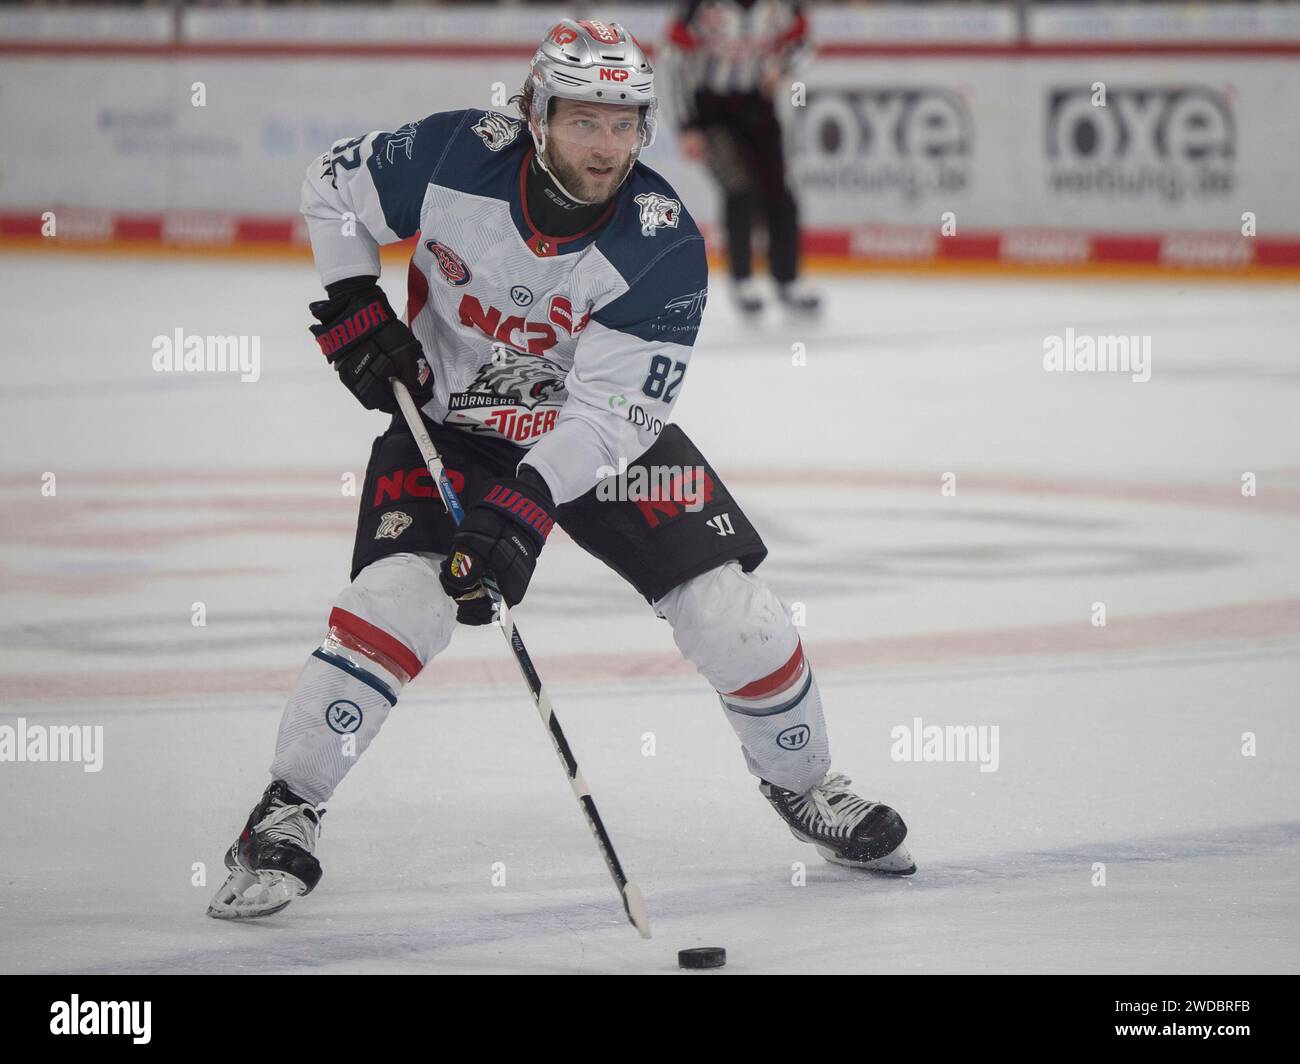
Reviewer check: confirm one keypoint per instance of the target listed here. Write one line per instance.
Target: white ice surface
(1120, 745)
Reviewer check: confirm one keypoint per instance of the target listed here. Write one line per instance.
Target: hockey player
(553, 299)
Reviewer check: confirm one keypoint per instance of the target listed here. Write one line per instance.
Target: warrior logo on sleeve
(516, 395)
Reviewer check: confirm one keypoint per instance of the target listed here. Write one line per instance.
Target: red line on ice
(1224, 495)
(1251, 621)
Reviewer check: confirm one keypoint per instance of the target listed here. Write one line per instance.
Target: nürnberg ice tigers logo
(393, 524)
(517, 396)
(520, 378)
(497, 130)
(658, 212)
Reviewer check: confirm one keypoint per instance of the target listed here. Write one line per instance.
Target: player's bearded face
(591, 147)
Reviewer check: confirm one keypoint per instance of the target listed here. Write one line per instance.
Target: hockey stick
(633, 903)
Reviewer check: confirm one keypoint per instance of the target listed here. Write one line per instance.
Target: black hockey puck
(702, 957)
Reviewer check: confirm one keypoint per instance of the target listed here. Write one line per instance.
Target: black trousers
(747, 157)
(691, 526)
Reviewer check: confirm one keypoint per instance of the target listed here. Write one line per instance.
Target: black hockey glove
(501, 534)
(367, 344)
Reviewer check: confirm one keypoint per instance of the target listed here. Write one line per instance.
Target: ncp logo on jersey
(1148, 142)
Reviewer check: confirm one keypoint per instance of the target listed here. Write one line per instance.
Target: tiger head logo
(520, 378)
(496, 130)
(658, 212)
(393, 524)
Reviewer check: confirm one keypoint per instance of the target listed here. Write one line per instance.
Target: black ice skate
(271, 862)
(847, 830)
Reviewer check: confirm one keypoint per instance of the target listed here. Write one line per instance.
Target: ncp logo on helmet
(591, 106)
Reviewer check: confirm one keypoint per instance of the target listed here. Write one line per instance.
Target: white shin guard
(732, 628)
(386, 626)
(330, 719)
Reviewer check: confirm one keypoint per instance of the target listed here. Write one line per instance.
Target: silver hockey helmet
(593, 62)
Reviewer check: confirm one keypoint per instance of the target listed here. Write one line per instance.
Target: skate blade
(245, 896)
(897, 863)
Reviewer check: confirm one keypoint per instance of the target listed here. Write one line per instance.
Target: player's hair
(523, 101)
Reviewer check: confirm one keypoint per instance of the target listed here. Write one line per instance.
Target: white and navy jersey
(574, 347)
(724, 47)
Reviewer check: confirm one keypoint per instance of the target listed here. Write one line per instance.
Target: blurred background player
(729, 59)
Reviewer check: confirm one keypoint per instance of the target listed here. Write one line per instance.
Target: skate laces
(291, 823)
(835, 804)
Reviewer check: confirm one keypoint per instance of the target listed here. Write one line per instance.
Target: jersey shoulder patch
(655, 245)
(496, 130)
(403, 162)
(484, 156)
(659, 208)
(649, 221)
